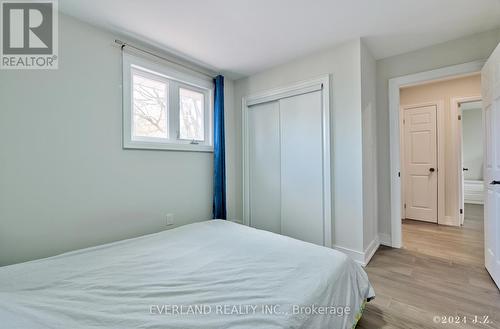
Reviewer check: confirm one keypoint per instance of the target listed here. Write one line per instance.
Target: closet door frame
(320, 83)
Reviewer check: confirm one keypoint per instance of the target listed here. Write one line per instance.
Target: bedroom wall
(65, 181)
(445, 91)
(471, 48)
(343, 63)
(368, 107)
(472, 135)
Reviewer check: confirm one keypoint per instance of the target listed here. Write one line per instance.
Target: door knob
(465, 169)
(495, 182)
(432, 169)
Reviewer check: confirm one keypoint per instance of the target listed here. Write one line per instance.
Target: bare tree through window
(150, 107)
(191, 115)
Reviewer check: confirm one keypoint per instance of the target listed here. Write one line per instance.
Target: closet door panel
(264, 157)
(302, 167)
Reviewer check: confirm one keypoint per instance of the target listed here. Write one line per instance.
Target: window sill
(138, 145)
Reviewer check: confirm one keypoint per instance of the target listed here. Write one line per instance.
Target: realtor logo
(29, 35)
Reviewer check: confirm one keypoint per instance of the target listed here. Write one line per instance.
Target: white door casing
(395, 135)
(490, 82)
(420, 156)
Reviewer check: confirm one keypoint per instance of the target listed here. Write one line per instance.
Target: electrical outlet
(170, 219)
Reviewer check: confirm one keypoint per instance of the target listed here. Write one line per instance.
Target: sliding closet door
(302, 167)
(264, 166)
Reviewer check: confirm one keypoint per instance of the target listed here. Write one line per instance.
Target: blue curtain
(219, 202)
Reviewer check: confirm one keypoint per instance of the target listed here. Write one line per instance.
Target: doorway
(395, 85)
(431, 148)
(491, 106)
(471, 157)
(441, 151)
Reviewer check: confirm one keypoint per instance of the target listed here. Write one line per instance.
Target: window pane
(150, 108)
(191, 115)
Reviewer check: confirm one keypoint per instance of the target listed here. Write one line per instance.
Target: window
(191, 118)
(164, 108)
(150, 106)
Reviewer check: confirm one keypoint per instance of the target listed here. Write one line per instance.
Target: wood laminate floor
(439, 273)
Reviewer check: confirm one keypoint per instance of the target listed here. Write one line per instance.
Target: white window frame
(176, 79)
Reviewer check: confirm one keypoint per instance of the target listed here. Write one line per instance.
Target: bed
(473, 191)
(213, 274)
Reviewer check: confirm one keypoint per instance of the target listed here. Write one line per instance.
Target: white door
(420, 167)
(265, 166)
(490, 83)
(302, 167)
(285, 165)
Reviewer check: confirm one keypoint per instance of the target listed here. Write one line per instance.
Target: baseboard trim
(357, 256)
(362, 258)
(371, 249)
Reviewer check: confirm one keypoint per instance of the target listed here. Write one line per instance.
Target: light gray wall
(472, 146)
(343, 63)
(459, 51)
(368, 106)
(65, 181)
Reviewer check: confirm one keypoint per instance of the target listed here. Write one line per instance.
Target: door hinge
(461, 211)
(404, 121)
(459, 117)
(399, 173)
(405, 205)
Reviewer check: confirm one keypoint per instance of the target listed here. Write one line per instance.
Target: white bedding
(214, 266)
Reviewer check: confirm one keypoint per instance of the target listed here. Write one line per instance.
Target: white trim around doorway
(394, 127)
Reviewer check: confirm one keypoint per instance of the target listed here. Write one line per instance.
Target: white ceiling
(242, 37)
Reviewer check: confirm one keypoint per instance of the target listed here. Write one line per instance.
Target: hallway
(439, 272)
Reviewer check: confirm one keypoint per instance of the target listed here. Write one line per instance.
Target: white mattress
(215, 267)
(474, 191)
